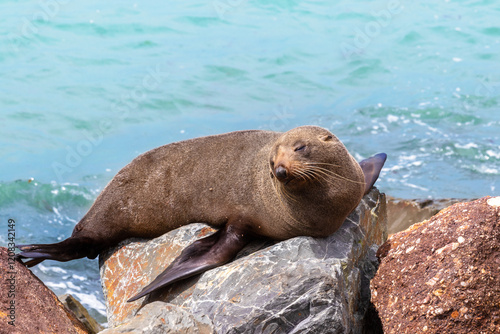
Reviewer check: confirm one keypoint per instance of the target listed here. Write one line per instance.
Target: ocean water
(87, 86)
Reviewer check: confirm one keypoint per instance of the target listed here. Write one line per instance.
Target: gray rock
(301, 285)
(160, 318)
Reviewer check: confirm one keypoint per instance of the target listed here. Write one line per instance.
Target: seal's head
(310, 154)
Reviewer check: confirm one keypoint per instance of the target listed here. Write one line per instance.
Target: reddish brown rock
(442, 275)
(34, 308)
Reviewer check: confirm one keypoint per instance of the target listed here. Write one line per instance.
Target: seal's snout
(281, 173)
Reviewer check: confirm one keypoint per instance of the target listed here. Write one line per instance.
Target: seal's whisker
(328, 172)
(301, 173)
(320, 163)
(288, 195)
(319, 176)
(308, 171)
(297, 171)
(283, 192)
(309, 174)
(312, 175)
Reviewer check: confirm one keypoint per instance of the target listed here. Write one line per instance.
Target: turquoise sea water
(87, 86)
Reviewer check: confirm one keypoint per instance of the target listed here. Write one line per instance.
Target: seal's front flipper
(371, 168)
(69, 249)
(202, 255)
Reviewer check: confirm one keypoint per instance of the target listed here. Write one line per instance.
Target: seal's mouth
(283, 175)
(293, 182)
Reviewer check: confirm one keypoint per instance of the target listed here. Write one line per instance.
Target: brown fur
(213, 178)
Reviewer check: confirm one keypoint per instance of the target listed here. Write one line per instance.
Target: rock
(159, 317)
(402, 213)
(301, 285)
(36, 308)
(81, 313)
(442, 275)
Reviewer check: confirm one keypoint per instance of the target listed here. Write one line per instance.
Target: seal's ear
(325, 137)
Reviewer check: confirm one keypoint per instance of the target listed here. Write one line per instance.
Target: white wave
(71, 184)
(467, 146)
(392, 118)
(74, 287)
(45, 269)
(80, 278)
(415, 186)
(394, 168)
(56, 211)
(53, 285)
(483, 169)
(493, 154)
(81, 193)
(71, 220)
(408, 157)
(419, 122)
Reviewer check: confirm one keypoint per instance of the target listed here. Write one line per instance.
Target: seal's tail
(69, 249)
(371, 168)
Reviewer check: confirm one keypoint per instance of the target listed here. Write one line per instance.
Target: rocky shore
(436, 273)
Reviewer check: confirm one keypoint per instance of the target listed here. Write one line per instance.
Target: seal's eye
(300, 148)
(271, 163)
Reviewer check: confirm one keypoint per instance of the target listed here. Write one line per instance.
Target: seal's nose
(281, 172)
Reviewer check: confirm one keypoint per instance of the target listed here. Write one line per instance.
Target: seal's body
(250, 183)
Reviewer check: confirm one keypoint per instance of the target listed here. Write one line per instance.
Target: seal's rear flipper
(371, 168)
(202, 255)
(69, 249)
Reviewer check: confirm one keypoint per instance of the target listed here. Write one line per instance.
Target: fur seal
(250, 184)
